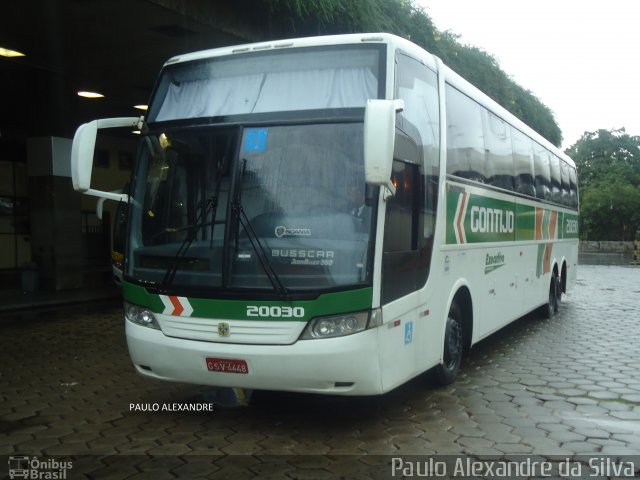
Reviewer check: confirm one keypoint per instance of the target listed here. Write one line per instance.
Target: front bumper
(345, 365)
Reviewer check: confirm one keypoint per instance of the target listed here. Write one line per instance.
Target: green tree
(608, 164)
(606, 155)
(287, 18)
(609, 211)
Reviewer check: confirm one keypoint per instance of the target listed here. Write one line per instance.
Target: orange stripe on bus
(553, 223)
(460, 218)
(539, 218)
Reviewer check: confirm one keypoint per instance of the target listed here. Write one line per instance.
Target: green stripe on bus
(569, 225)
(475, 218)
(325, 304)
(139, 295)
(525, 222)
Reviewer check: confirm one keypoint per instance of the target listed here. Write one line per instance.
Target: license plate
(227, 365)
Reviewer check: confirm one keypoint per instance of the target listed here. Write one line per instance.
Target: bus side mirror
(84, 142)
(379, 138)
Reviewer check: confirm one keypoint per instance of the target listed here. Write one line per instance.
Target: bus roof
(395, 43)
(286, 43)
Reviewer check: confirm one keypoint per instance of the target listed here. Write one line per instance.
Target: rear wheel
(552, 303)
(446, 372)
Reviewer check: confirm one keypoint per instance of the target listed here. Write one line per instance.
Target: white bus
(333, 215)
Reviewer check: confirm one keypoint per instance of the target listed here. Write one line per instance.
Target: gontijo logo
(479, 219)
(492, 220)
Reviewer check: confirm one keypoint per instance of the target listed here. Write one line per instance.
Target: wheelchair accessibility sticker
(408, 333)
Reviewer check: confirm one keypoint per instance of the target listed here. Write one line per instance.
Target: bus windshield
(270, 81)
(217, 207)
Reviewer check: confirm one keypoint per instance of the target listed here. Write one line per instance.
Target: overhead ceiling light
(141, 107)
(86, 94)
(6, 52)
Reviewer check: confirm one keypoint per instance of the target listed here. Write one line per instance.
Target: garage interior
(50, 236)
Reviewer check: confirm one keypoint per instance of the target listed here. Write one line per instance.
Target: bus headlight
(140, 316)
(341, 325)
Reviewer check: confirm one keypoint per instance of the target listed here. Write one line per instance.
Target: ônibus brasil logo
(34, 468)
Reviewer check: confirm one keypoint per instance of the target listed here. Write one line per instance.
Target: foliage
(607, 155)
(610, 212)
(286, 18)
(608, 164)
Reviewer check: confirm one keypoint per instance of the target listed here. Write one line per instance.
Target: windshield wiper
(261, 252)
(185, 227)
(186, 243)
(209, 204)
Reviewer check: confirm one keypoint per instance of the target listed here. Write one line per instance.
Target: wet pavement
(566, 386)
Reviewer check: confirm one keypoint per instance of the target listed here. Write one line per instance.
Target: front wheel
(446, 372)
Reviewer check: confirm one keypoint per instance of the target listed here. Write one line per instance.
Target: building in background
(50, 236)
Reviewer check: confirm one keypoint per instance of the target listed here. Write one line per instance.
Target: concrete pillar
(55, 211)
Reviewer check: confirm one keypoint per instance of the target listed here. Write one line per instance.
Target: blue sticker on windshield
(255, 140)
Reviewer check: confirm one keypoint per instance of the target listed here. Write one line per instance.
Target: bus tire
(552, 303)
(446, 372)
(558, 289)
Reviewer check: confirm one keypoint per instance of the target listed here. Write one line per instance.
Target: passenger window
(465, 137)
(523, 163)
(555, 178)
(542, 171)
(499, 156)
(564, 178)
(573, 187)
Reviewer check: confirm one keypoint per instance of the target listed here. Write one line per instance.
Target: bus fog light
(140, 316)
(336, 326)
